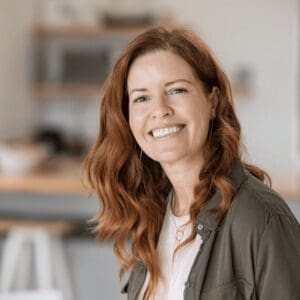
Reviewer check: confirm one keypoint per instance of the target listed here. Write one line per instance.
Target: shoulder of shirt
(255, 205)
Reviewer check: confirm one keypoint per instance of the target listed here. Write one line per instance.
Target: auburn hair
(132, 190)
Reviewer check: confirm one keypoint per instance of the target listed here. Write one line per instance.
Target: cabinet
(75, 60)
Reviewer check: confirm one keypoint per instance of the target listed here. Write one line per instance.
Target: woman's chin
(167, 158)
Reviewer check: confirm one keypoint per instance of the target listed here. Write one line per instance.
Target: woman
(168, 171)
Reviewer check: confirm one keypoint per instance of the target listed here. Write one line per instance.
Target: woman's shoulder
(255, 205)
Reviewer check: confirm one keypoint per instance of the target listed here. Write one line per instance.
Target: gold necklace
(180, 232)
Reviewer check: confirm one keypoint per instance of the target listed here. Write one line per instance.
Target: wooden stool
(52, 276)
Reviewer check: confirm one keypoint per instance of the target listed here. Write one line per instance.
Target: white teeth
(165, 131)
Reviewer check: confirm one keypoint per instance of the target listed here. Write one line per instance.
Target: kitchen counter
(57, 176)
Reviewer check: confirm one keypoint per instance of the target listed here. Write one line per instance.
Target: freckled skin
(158, 106)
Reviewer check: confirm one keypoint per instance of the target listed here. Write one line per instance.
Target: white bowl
(19, 159)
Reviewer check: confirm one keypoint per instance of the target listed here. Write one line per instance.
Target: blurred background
(54, 56)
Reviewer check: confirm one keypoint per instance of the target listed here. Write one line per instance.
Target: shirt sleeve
(278, 261)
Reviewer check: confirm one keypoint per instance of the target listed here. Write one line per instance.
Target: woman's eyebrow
(166, 84)
(178, 80)
(138, 90)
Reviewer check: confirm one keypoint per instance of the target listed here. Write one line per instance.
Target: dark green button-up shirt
(253, 253)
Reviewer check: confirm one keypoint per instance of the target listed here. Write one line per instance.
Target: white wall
(17, 109)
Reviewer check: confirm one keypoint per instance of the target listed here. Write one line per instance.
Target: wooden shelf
(100, 30)
(60, 176)
(288, 192)
(42, 30)
(80, 90)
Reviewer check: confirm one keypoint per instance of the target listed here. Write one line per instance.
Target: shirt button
(200, 227)
(187, 284)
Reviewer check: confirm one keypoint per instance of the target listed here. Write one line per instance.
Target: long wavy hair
(132, 189)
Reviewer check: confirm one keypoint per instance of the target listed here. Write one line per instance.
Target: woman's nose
(161, 110)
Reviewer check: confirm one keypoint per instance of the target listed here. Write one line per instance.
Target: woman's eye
(178, 91)
(140, 99)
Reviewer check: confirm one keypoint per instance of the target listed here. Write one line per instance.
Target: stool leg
(11, 254)
(23, 276)
(43, 267)
(61, 272)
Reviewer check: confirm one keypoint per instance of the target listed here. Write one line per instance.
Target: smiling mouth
(163, 132)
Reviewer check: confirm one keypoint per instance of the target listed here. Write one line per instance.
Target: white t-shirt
(176, 272)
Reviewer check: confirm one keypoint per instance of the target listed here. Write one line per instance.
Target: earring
(141, 153)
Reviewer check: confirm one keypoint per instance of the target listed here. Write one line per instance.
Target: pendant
(179, 235)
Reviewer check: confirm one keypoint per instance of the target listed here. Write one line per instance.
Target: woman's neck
(183, 178)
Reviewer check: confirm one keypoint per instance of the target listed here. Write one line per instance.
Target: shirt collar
(205, 220)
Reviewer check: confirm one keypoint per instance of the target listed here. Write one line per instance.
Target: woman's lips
(166, 130)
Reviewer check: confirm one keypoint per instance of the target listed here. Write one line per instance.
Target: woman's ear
(214, 97)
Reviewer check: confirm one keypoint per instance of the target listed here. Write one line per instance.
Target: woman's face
(169, 112)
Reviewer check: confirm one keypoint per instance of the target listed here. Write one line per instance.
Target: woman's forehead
(158, 67)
